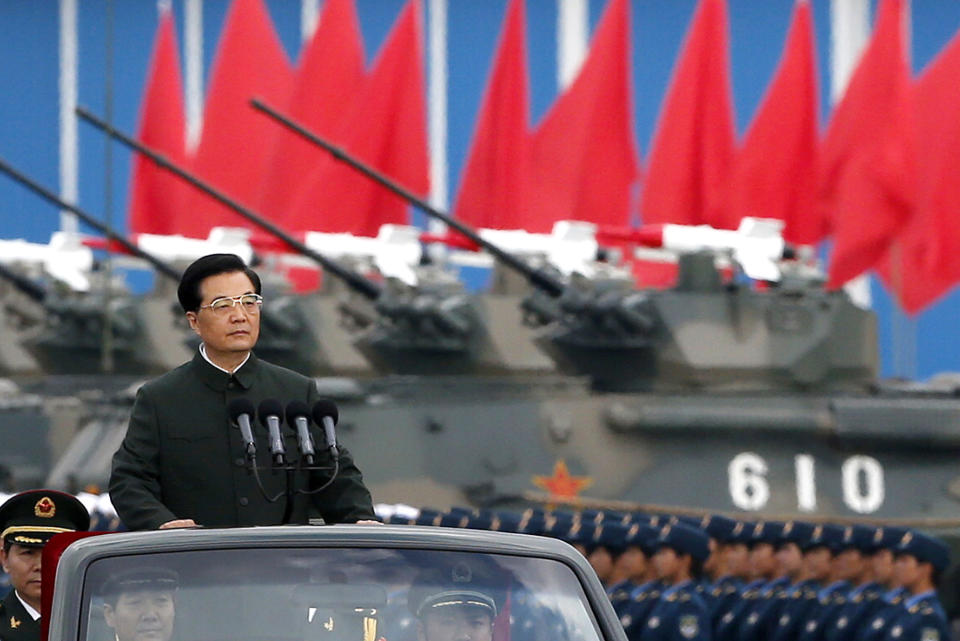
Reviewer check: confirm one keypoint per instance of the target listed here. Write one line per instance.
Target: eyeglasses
(250, 303)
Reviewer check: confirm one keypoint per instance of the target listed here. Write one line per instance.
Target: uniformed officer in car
(455, 602)
(27, 521)
(140, 604)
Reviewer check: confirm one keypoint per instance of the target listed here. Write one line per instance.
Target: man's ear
(421, 635)
(192, 319)
(108, 615)
(3, 559)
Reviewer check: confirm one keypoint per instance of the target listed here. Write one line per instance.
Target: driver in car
(454, 604)
(140, 604)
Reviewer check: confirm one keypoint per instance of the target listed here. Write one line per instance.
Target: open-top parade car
(333, 583)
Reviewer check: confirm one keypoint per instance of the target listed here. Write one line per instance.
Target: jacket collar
(218, 380)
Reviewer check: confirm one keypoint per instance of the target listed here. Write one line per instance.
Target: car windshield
(333, 594)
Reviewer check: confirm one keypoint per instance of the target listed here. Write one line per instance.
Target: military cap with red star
(30, 518)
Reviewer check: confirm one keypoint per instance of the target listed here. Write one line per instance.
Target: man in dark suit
(183, 464)
(27, 521)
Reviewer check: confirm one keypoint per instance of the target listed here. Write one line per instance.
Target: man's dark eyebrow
(249, 291)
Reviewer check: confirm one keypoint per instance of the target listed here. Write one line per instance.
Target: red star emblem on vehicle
(562, 485)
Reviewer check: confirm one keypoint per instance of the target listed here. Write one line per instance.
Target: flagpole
(68, 102)
(193, 58)
(849, 34)
(572, 38)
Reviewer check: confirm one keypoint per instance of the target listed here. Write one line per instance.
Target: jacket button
(238, 462)
(244, 501)
(231, 385)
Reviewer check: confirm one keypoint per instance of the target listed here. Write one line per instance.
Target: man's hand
(178, 523)
(369, 522)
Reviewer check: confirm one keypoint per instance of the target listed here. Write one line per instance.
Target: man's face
(456, 623)
(23, 566)
(601, 561)
(762, 563)
(142, 615)
(849, 565)
(738, 559)
(668, 564)
(632, 564)
(818, 562)
(882, 563)
(229, 331)
(789, 560)
(907, 571)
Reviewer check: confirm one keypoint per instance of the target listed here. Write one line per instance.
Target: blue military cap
(722, 528)
(579, 533)
(824, 535)
(454, 519)
(858, 537)
(506, 522)
(533, 524)
(642, 536)
(798, 532)
(924, 548)
(685, 540)
(31, 518)
(611, 536)
(887, 537)
(429, 516)
(765, 532)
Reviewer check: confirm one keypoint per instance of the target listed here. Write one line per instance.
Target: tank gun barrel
(107, 231)
(364, 286)
(536, 277)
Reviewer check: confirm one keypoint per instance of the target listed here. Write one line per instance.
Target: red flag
(495, 175)
(156, 195)
(693, 148)
(923, 262)
(867, 184)
(774, 173)
(583, 157)
(236, 140)
(330, 71)
(385, 127)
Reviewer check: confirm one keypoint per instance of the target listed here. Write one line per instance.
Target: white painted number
(748, 484)
(862, 477)
(806, 483)
(862, 484)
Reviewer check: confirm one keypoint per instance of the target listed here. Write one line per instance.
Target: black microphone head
(269, 407)
(239, 406)
(325, 407)
(296, 409)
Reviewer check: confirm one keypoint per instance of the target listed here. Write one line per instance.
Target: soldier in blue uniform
(865, 598)
(727, 565)
(802, 598)
(680, 613)
(760, 619)
(887, 607)
(745, 613)
(834, 595)
(633, 564)
(27, 521)
(920, 560)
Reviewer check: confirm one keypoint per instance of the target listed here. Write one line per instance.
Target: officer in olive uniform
(921, 559)
(27, 521)
(141, 603)
(457, 601)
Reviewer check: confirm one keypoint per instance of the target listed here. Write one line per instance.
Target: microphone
(298, 415)
(325, 414)
(241, 411)
(270, 413)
